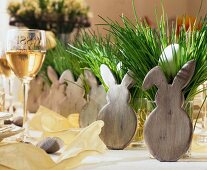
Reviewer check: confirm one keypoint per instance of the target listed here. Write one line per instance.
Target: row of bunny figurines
(67, 96)
(168, 126)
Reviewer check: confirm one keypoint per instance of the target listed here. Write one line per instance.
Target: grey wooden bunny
(119, 118)
(168, 129)
(73, 101)
(65, 96)
(38, 89)
(96, 100)
(56, 92)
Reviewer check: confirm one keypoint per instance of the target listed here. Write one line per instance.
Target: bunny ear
(107, 76)
(52, 74)
(90, 78)
(80, 81)
(66, 75)
(154, 77)
(39, 79)
(185, 74)
(80, 84)
(128, 80)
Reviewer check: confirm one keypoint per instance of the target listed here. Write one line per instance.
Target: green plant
(61, 60)
(94, 50)
(193, 46)
(141, 46)
(137, 47)
(87, 52)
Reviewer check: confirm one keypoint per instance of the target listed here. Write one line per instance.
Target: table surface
(133, 159)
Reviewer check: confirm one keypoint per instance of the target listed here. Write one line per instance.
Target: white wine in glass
(25, 64)
(7, 75)
(25, 53)
(6, 70)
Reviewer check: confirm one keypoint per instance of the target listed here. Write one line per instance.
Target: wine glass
(25, 53)
(7, 77)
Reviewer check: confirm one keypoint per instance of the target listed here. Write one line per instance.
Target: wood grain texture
(168, 129)
(38, 89)
(56, 92)
(65, 96)
(73, 101)
(119, 118)
(96, 100)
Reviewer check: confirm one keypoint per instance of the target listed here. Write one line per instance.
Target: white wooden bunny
(96, 100)
(119, 118)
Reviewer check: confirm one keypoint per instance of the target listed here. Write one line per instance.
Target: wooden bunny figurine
(74, 100)
(168, 129)
(56, 92)
(65, 96)
(120, 120)
(38, 89)
(96, 100)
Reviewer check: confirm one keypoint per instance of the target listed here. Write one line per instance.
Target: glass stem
(10, 109)
(25, 97)
(10, 90)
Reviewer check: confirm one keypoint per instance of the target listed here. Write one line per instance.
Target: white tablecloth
(133, 159)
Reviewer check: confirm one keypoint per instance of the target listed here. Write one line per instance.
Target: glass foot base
(139, 144)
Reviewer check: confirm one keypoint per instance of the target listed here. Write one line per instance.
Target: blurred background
(115, 8)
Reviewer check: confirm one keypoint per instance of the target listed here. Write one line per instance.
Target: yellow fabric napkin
(47, 120)
(79, 143)
(53, 124)
(21, 156)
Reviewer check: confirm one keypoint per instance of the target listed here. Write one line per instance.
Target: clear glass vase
(188, 107)
(199, 116)
(141, 113)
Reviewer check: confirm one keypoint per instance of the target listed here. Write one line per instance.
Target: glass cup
(25, 53)
(2, 106)
(189, 109)
(2, 101)
(200, 133)
(141, 113)
(6, 77)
